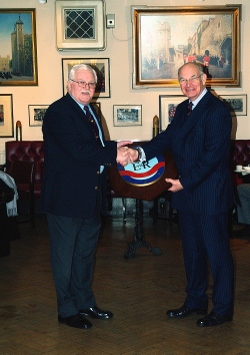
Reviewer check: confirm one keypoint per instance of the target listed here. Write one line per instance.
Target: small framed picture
(167, 107)
(36, 114)
(237, 104)
(6, 116)
(127, 115)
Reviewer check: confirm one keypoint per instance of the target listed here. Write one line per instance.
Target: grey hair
(198, 65)
(77, 67)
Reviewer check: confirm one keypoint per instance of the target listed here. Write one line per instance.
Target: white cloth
(11, 207)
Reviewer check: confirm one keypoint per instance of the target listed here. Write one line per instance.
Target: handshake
(125, 155)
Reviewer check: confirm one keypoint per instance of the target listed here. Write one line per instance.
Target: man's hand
(126, 155)
(123, 156)
(176, 185)
(133, 154)
(123, 143)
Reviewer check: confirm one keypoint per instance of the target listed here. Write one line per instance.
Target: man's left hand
(176, 185)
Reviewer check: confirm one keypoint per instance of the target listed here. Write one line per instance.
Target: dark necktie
(189, 108)
(92, 122)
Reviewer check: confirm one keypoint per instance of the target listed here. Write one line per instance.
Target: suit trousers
(72, 244)
(205, 240)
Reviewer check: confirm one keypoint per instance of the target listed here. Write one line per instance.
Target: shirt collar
(195, 102)
(81, 105)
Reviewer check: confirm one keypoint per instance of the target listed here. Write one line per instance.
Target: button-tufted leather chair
(30, 153)
(240, 152)
(239, 155)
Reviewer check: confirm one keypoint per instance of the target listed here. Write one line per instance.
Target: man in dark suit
(74, 187)
(199, 140)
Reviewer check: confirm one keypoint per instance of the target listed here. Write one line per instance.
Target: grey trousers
(72, 243)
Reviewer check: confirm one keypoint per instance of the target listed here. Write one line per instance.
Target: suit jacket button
(96, 187)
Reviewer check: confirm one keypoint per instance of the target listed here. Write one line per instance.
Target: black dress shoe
(75, 321)
(96, 312)
(184, 312)
(213, 319)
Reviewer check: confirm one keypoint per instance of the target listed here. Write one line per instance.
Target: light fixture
(42, 1)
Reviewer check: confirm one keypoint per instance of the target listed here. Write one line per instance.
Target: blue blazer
(72, 160)
(200, 145)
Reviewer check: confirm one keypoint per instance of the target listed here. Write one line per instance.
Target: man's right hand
(133, 153)
(126, 155)
(123, 156)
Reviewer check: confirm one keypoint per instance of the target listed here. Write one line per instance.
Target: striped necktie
(92, 122)
(189, 108)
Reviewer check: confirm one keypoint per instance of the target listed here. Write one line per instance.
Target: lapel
(80, 113)
(98, 120)
(188, 123)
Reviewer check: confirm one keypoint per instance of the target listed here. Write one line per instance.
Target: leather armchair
(24, 162)
(239, 155)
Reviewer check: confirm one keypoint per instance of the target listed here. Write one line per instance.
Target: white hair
(77, 67)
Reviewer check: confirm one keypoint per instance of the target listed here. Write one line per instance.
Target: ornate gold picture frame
(164, 38)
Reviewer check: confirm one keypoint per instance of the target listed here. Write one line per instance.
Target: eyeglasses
(83, 84)
(193, 79)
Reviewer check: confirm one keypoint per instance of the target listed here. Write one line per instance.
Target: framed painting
(167, 107)
(18, 50)
(6, 116)
(165, 38)
(237, 104)
(36, 114)
(127, 115)
(101, 66)
(80, 24)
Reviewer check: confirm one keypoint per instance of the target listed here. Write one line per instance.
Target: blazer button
(96, 187)
(98, 172)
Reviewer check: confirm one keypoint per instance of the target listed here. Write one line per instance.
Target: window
(80, 24)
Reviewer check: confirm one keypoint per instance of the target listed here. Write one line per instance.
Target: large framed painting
(101, 66)
(18, 50)
(164, 38)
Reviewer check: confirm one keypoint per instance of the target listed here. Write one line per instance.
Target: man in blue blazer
(203, 194)
(74, 188)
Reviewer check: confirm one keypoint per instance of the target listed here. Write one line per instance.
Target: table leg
(138, 237)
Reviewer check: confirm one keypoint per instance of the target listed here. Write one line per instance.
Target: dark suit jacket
(72, 159)
(200, 146)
